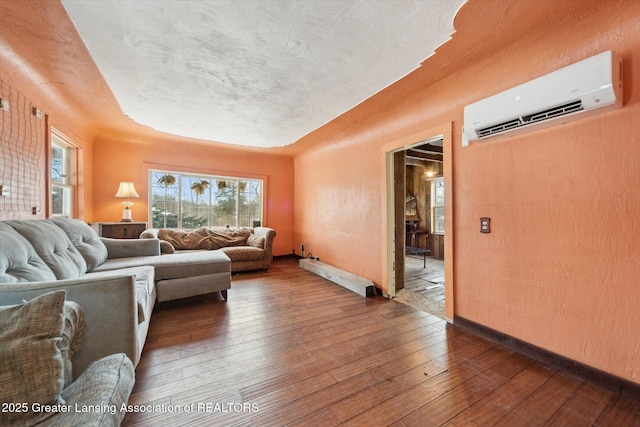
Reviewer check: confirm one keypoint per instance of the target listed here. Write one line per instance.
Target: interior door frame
(388, 216)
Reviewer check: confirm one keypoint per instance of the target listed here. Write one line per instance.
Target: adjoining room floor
(424, 286)
(291, 348)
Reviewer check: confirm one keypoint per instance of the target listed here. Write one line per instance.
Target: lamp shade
(127, 190)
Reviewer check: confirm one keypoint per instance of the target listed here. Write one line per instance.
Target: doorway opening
(419, 235)
(424, 218)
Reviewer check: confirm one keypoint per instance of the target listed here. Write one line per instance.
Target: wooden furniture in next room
(119, 230)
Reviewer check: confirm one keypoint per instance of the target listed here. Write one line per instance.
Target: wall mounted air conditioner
(587, 87)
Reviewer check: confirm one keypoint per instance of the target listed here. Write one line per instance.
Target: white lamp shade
(127, 190)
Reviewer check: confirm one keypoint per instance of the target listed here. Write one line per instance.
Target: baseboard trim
(587, 373)
(288, 256)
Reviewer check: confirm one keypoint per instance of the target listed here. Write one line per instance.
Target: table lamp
(126, 191)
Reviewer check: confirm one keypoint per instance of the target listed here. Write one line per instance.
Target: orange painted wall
(30, 64)
(560, 269)
(121, 159)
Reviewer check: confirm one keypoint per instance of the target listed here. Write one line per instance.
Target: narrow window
(62, 177)
(437, 206)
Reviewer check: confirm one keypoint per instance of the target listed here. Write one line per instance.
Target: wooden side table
(119, 230)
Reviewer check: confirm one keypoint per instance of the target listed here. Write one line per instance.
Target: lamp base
(126, 213)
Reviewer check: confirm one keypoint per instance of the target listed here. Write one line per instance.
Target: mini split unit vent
(571, 93)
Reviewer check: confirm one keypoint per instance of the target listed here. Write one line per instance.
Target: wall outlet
(485, 225)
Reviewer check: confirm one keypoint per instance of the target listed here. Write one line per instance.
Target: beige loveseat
(249, 249)
(116, 282)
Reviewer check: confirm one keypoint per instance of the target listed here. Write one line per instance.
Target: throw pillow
(183, 239)
(32, 364)
(166, 247)
(226, 238)
(255, 241)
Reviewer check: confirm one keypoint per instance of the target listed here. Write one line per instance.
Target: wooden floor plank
(384, 391)
(620, 411)
(503, 399)
(288, 347)
(451, 403)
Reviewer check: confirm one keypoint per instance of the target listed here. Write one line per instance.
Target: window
(183, 200)
(61, 174)
(437, 206)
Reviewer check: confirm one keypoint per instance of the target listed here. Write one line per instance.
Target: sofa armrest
(110, 308)
(150, 233)
(269, 234)
(107, 385)
(126, 248)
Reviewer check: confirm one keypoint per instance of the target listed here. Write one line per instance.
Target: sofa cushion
(256, 241)
(85, 239)
(174, 266)
(182, 239)
(204, 238)
(244, 253)
(19, 262)
(105, 384)
(53, 246)
(32, 364)
(190, 264)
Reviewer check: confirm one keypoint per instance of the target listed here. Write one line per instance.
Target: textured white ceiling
(255, 72)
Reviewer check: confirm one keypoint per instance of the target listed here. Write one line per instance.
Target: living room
(557, 271)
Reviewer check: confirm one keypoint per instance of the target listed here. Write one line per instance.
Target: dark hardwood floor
(290, 348)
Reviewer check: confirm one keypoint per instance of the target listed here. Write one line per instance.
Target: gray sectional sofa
(116, 282)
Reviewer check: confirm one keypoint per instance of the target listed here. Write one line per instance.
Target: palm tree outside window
(183, 200)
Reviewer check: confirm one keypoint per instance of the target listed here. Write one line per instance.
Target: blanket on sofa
(204, 238)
